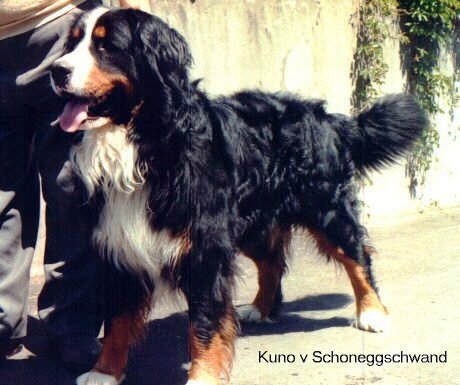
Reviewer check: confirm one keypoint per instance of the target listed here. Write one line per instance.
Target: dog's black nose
(60, 74)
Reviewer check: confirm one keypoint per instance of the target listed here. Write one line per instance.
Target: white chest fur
(106, 160)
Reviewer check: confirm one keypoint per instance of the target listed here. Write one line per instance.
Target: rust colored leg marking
(365, 295)
(269, 281)
(212, 360)
(114, 357)
(271, 263)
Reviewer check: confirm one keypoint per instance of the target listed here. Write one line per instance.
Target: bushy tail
(386, 131)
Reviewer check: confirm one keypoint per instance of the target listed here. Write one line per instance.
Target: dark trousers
(30, 150)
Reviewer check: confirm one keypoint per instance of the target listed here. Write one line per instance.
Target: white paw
(373, 321)
(249, 313)
(194, 382)
(96, 378)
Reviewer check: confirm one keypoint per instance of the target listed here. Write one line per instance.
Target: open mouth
(84, 113)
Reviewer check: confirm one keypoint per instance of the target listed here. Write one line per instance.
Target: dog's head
(116, 61)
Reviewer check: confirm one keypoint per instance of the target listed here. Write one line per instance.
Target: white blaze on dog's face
(80, 61)
(87, 75)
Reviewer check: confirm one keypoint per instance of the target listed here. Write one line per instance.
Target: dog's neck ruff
(106, 159)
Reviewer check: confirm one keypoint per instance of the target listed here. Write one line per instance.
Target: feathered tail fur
(386, 131)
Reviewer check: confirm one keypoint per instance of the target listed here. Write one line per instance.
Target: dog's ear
(163, 59)
(163, 48)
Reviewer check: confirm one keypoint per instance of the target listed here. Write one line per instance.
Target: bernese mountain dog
(184, 182)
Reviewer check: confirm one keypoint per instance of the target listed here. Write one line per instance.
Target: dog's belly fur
(106, 160)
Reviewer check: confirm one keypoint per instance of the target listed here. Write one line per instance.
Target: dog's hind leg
(270, 259)
(342, 239)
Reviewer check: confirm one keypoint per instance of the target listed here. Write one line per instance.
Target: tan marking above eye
(76, 32)
(100, 31)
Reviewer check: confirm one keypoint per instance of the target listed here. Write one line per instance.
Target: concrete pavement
(418, 269)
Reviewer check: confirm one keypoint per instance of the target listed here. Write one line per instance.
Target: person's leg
(70, 302)
(19, 208)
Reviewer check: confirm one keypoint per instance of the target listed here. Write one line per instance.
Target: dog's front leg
(212, 351)
(213, 326)
(111, 365)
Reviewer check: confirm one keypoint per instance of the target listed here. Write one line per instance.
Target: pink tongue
(75, 112)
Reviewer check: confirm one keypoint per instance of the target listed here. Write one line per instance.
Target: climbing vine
(429, 27)
(369, 67)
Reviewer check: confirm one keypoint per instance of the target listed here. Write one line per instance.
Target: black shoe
(10, 348)
(77, 352)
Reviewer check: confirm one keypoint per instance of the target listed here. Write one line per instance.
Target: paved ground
(418, 269)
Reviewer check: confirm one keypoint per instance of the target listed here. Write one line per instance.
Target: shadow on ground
(161, 359)
(293, 323)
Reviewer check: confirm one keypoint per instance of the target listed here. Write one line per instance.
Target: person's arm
(144, 5)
